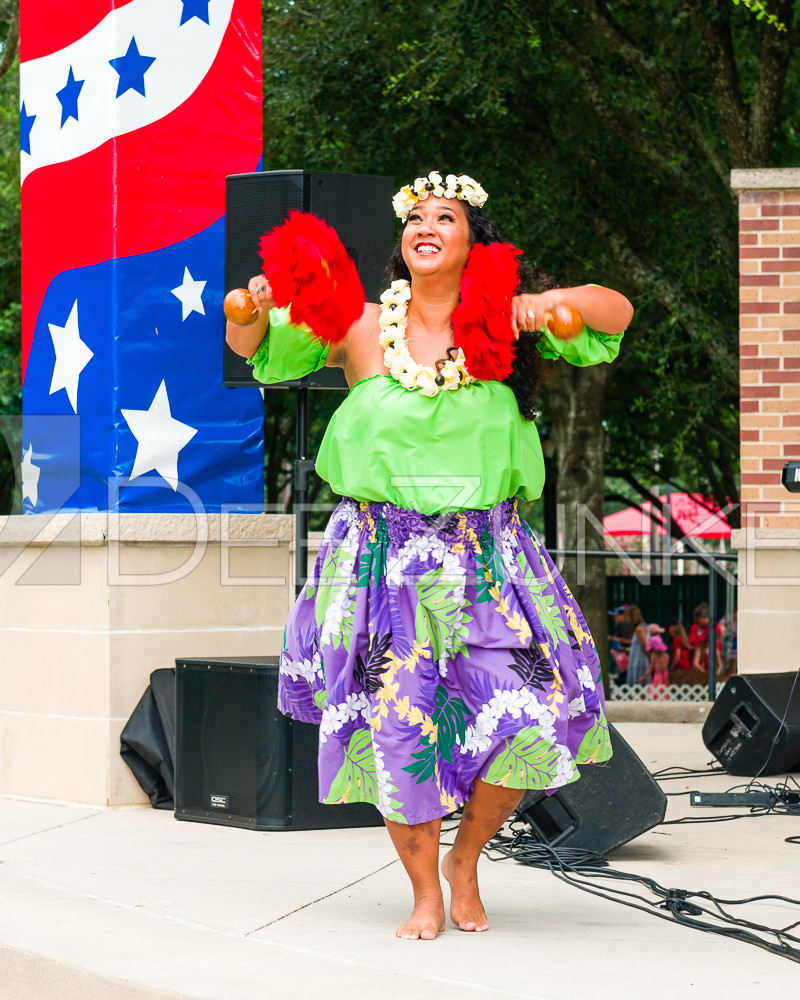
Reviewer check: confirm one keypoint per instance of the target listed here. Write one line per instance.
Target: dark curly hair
(525, 377)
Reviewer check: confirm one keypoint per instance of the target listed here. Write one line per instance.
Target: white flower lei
(396, 356)
(462, 187)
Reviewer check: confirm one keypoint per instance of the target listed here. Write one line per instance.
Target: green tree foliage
(9, 157)
(605, 134)
(10, 274)
(759, 8)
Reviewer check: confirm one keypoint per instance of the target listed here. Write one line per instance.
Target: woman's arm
(245, 340)
(602, 309)
(355, 349)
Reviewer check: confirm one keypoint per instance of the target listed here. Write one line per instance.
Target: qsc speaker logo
(220, 801)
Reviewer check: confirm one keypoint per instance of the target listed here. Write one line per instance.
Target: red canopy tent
(689, 513)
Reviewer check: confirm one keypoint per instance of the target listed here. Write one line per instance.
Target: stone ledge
(765, 538)
(97, 529)
(657, 711)
(768, 179)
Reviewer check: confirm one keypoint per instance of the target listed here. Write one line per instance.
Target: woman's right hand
(245, 340)
(261, 293)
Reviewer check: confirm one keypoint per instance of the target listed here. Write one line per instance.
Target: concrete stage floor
(128, 904)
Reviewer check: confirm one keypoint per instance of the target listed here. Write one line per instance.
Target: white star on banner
(190, 292)
(30, 477)
(160, 438)
(72, 356)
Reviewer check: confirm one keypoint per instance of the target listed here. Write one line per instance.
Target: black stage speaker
(608, 806)
(753, 727)
(358, 206)
(239, 762)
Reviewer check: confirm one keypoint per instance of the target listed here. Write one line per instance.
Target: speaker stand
(303, 467)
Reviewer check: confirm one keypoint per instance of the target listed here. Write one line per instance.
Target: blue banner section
(131, 349)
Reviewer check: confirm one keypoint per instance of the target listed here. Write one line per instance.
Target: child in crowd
(679, 646)
(659, 665)
(698, 637)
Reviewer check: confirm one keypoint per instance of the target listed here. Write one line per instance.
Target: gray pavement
(128, 904)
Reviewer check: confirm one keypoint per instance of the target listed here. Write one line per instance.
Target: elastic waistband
(400, 522)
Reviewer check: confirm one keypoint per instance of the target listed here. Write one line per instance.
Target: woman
(637, 657)
(435, 643)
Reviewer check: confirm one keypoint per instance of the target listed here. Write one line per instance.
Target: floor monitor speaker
(608, 806)
(753, 727)
(357, 206)
(239, 761)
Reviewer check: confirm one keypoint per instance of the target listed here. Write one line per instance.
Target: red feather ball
(309, 270)
(482, 318)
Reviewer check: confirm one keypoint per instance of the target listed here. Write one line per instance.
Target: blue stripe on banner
(133, 348)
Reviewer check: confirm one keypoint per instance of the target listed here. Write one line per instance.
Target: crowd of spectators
(660, 656)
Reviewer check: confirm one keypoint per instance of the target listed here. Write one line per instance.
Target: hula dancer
(435, 644)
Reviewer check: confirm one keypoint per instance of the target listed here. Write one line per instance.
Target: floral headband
(462, 187)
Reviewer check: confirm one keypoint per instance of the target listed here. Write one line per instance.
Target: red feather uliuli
(482, 319)
(310, 271)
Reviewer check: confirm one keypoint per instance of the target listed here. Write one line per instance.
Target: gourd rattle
(238, 307)
(563, 322)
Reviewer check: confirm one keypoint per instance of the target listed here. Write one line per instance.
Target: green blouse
(462, 448)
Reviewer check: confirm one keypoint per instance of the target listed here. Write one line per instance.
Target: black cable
(785, 801)
(691, 820)
(568, 863)
(677, 771)
(574, 866)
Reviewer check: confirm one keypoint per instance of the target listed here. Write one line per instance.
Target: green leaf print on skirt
(372, 564)
(335, 602)
(595, 745)
(440, 614)
(489, 568)
(526, 761)
(356, 780)
(450, 718)
(546, 604)
(429, 721)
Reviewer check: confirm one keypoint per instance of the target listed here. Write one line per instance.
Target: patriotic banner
(133, 112)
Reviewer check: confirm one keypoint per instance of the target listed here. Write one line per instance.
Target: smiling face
(436, 237)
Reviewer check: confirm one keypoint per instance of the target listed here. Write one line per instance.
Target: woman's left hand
(601, 309)
(528, 311)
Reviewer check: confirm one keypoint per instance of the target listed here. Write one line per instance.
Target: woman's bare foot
(426, 922)
(466, 908)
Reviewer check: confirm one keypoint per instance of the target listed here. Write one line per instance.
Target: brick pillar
(769, 357)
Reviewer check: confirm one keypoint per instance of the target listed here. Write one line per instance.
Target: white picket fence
(647, 692)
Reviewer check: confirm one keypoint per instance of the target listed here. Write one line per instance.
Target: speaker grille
(239, 762)
(254, 204)
(357, 206)
(234, 747)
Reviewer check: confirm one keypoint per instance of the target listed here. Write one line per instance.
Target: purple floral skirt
(434, 650)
